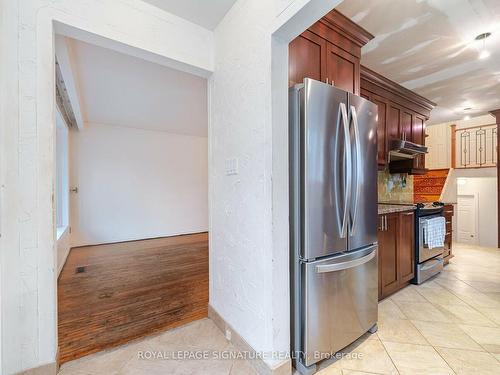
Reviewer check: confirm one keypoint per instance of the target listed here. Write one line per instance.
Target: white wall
(249, 211)
(485, 189)
(62, 191)
(28, 245)
(136, 184)
(439, 140)
(249, 252)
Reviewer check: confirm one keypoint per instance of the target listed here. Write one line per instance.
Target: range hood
(401, 149)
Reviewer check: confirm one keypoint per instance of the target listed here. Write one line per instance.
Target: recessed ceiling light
(467, 117)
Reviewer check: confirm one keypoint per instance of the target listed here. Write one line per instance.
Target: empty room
(132, 184)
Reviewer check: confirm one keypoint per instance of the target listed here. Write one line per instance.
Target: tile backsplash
(397, 187)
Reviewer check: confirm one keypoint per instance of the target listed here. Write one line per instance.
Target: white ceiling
(206, 13)
(119, 89)
(425, 45)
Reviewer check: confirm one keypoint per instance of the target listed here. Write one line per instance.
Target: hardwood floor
(129, 290)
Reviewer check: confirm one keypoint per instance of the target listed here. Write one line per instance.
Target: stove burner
(425, 209)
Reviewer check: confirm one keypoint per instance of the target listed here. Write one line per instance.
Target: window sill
(61, 231)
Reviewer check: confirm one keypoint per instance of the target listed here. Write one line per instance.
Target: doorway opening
(132, 197)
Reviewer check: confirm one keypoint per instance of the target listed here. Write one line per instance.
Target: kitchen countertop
(384, 208)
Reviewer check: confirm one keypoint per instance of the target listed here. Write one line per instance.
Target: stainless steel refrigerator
(333, 219)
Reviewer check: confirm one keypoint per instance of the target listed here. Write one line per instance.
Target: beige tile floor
(449, 325)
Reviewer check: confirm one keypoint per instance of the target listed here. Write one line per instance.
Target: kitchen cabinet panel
(406, 125)
(388, 254)
(393, 128)
(396, 238)
(418, 136)
(381, 129)
(307, 58)
(406, 248)
(448, 212)
(342, 69)
(405, 114)
(329, 50)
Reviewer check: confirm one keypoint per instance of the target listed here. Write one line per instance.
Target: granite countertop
(384, 208)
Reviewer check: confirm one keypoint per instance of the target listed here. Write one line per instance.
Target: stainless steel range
(333, 220)
(429, 262)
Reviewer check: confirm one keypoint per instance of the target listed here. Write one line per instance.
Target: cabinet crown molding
(391, 86)
(344, 26)
(496, 113)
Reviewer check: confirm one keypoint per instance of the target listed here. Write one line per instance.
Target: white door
(467, 219)
(438, 143)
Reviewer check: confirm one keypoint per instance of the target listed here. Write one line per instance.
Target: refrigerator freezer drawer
(340, 301)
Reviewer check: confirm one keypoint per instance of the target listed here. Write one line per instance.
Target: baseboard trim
(47, 369)
(262, 368)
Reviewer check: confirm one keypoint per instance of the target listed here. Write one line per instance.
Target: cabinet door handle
(385, 222)
(408, 213)
(448, 212)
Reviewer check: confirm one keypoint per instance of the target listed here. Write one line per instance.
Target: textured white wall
(28, 246)
(249, 212)
(485, 189)
(135, 184)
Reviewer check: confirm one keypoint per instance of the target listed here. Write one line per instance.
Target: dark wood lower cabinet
(396, 254)
(406, 248)
(388, 254)
(448, 215)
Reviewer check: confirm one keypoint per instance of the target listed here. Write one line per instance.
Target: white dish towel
(436, 230)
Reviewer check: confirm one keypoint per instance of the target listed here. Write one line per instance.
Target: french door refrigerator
(333, 220)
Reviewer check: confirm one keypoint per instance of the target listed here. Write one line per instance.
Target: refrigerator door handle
(349, 264)
(348, 170)
(357, 166)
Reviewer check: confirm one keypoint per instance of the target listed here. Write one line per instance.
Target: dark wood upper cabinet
(407, 125)
(393, 126)
(307, 58)
(342, 69)
(418, 135)
(330, 50)
(383, 107)
(406, 112)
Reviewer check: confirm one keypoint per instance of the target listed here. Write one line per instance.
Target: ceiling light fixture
(484, 53)
(467, 117)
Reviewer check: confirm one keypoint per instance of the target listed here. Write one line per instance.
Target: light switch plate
(231, 166)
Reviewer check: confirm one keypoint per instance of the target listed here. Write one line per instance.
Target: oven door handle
(431, 263)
